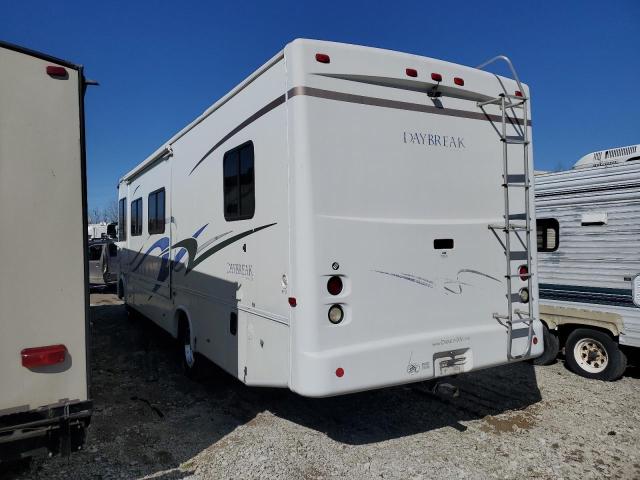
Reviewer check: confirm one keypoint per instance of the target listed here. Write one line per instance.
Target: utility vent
(618, 152)
(595, 218)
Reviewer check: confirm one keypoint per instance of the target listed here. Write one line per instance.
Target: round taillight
(523, 271)
(336, 314)
(334, 285)
(339, 372)
(524, 295)
(535, 340)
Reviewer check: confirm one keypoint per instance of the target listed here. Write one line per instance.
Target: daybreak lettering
(433, 140)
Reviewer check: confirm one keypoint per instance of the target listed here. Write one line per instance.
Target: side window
(548, 232)
(239, 183)
(136, 217)
(122, 219)
(156, 212)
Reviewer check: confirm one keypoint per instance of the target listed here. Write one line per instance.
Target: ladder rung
(515, 140)
(507, 227)
(521, 320)
(518, 255)
(515, 178)
(517, 185)
(517, 216)
(497, 100)
(517, 275)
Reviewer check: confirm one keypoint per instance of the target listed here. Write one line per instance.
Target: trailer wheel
(594, 354)
(187, 353)
(551, 347)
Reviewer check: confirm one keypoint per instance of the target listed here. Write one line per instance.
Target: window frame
(138, 222)
(546, 224)
(122, 219)
(154, 230)
(239, 215)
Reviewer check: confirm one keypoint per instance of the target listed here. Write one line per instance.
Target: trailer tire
(188, 357)
(594, 354)
(551, 347)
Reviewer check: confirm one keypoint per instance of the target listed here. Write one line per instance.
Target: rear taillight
(43, 356)
(411, 72)
(56, 71)
(334, 285)
(523, 271)
(322, 58)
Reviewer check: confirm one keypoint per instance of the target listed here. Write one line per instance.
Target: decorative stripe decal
(263, 111)
(605, 188)
(619, 297)
(396, 104)
(359, 99)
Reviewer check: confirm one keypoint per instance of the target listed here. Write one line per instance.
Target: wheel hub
(591, 355)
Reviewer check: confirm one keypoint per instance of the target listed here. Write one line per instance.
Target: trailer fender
(555, 316)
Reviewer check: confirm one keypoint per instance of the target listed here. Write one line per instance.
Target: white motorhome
(44, 388)
(346, 218)
(589, 261)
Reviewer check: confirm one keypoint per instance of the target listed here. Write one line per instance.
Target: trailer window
(122, 219)
(156, 212)
(548, 231)
(239, 183)
(136, 217)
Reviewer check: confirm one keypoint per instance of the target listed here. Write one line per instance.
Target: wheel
(187, 353)
(551, 347)
(594, 354)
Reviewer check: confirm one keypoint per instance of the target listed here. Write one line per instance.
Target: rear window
(548, 234)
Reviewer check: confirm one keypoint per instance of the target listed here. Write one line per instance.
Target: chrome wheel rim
(591, 355)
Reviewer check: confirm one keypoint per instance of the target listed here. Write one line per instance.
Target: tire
(188, 357)
(594, 354)
(551, 347)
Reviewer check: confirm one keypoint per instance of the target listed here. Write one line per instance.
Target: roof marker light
(43, 356)
(56, 71)
(411, 72)
(436, 77)
(518, 93)
(292, 301)
(458, 81)
(322, 58)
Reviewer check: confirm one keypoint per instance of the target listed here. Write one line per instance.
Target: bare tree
(111, 211)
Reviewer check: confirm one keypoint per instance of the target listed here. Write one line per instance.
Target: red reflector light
(292, 301)
(411, 72)
(339, 372)
(518, 93)
(436, 77)
(523, 271)
(42, 356)
(458, 81)
(334, 285)
(322, 58)
(56, 71)
(535, 340)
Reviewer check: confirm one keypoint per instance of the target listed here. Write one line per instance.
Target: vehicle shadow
(151, 419)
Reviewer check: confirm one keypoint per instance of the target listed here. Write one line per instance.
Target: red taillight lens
(458, 81)
(292, 301)
(334, 285)
(523, 271)
(339, 372)
(534, 340)
(43, 356)
(518, 93)
(411, 72)
(322, 58)
(56, 71)
(436, 77)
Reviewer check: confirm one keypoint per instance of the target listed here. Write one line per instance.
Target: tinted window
(548, 234)
(122, 219)
(239, 183)
(136, 217)
(156, 212)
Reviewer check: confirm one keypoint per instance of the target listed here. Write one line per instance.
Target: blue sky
(161, 63)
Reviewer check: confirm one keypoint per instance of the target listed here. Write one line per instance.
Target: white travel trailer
(336, 223)
(589, 261)
(44, 389)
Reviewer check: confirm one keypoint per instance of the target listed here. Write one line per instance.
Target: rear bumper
(402, 360)
(51, 430)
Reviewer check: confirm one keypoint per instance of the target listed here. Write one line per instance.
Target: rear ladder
(508, 102)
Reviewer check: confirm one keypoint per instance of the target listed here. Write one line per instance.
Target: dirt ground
(510, 422)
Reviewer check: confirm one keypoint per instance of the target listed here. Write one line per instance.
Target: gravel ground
(510, 422)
